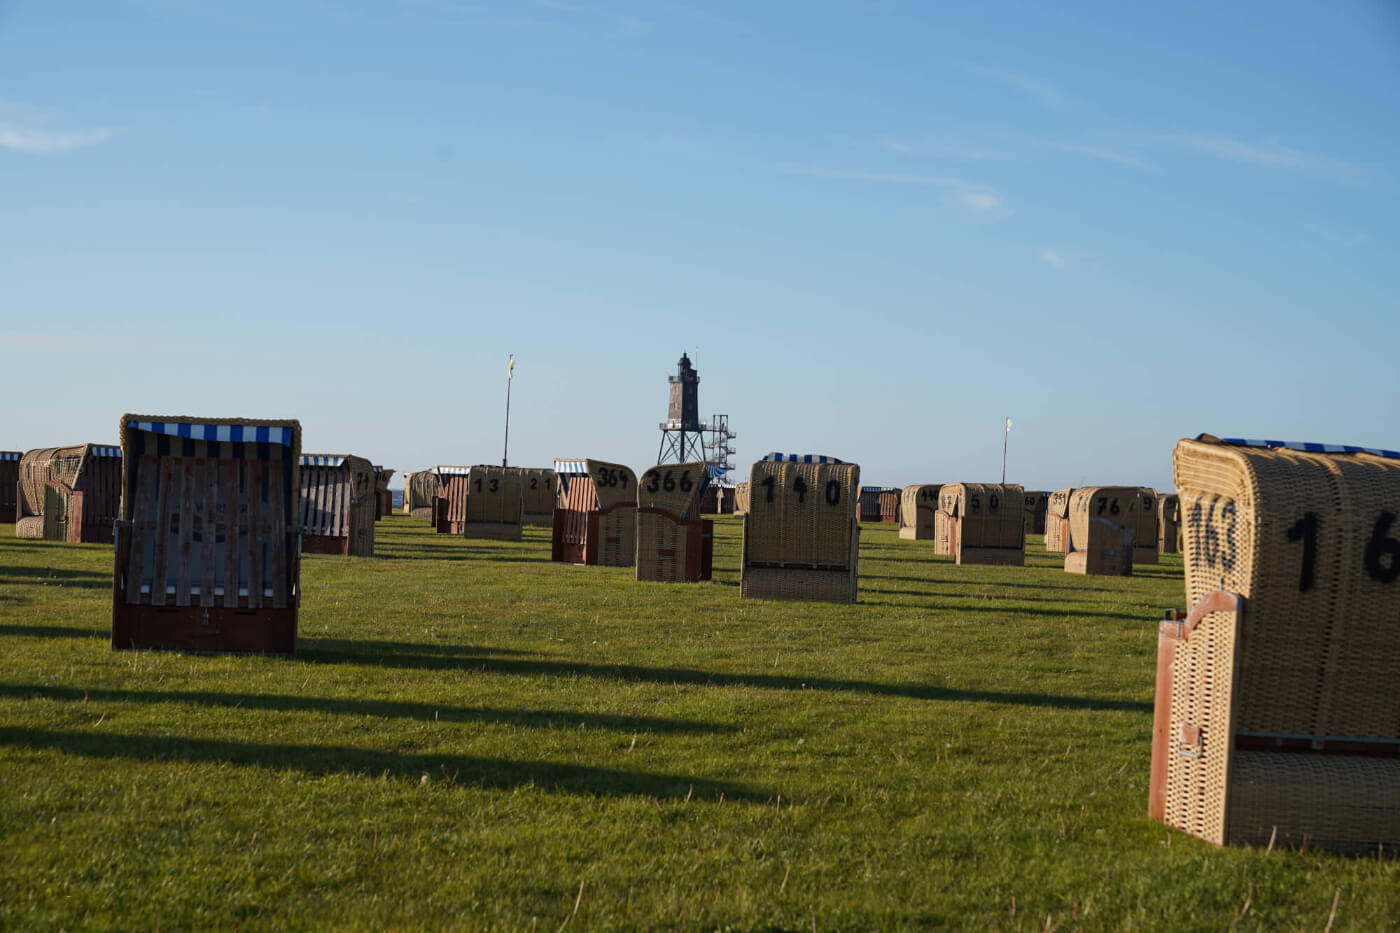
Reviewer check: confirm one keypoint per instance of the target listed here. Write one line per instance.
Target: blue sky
(878, 228)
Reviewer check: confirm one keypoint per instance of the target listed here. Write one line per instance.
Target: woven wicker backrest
(1312, 541)
(1030, 500)
(917, 507)
(1059, 503)
(495, 494)
(991, 513)
(541, 489)
(674, 488)
(47, 465)
(741, 497)
(382, 475)
(1148, 513)
(1169, 508)
(1117, 505)
(801, 512)
(93, 469)
(613, 483)
(420, 488)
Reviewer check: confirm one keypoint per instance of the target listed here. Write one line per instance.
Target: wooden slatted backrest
(209, 522)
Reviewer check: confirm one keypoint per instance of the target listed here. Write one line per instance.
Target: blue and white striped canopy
(570, 465)
(451, 470)
(322, 460)
(716, 470)
(1312, 448)
(378, 468)
(800, 458)
(10, 455)
(99, 450)
(223, 433)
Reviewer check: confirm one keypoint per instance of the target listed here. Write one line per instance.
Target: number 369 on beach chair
(207, 551)
(1277, 711)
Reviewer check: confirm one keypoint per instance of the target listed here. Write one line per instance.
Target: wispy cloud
(1042, 92)
(983, 201)
(1272, 155)
(980, 200)
(29, 129)
(1054, 258)
(948, 149)
(1095, 152)
(30, 139)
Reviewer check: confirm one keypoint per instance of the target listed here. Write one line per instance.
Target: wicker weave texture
(613, 484)
(419, 489)
(495, 502)
(664, 541)
(1311, 541)
(54, 474)
(1308, 540)
(800, 532)
(984, 519)
(917, 507)
(541, 490)
(1057, 521)
(674, 488)
(1102, 523)
(1169, 524)
(1034, 503)
(1146, 530)
(617, 534)
(741, 498)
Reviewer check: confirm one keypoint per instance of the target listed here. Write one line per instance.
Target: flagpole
(1006, 433)
(510, 375)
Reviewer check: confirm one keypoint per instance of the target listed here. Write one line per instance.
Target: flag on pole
(510, 370)
(1008, 422)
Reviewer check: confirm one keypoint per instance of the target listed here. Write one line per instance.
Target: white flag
(510, 370)
(1008, 422)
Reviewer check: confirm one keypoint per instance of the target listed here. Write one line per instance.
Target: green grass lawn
(473, 736)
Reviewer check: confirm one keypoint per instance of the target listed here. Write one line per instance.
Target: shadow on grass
(321, 760)
(1068, 612)
(667, 676)
(386, 709)
(986, 584)
(54, 631)
(41, 576)
(357, 647)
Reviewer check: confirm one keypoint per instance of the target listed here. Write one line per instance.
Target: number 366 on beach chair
(1277, 712)
(207, 551)
(674, 544)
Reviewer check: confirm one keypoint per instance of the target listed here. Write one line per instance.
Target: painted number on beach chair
(800, 489)
(1381, 558)
(611, 477)
(1208, 524)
